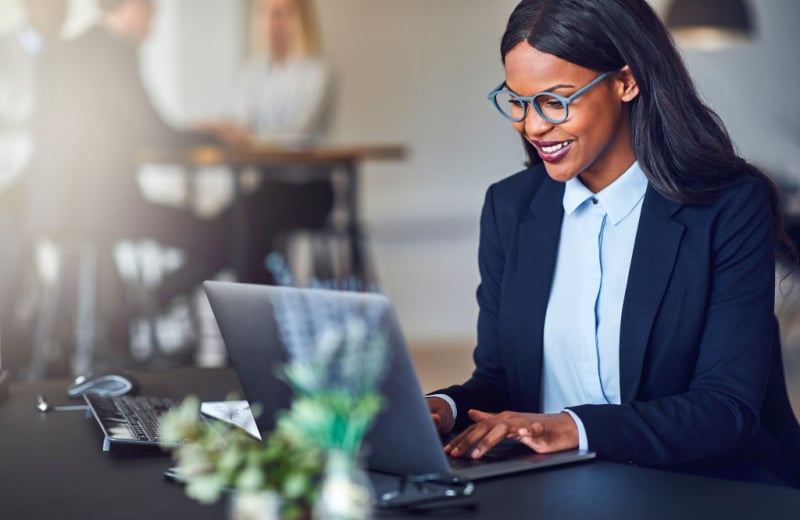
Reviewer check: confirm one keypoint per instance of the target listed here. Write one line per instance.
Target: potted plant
(311, 461)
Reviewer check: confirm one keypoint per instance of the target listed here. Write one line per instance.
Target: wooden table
(270, 160)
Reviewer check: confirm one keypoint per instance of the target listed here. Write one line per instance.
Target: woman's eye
(555, 104)
(516, 103)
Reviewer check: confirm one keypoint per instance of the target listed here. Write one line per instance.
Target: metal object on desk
(4, 377)
(43, 406)
(4, 382)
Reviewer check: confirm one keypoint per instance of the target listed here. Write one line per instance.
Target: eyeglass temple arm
(495, 90)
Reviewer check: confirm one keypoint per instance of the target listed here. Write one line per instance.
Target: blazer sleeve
(487, 388)
(719, 411)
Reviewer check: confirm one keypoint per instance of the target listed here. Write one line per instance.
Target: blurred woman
(282, 95)
(282, 98)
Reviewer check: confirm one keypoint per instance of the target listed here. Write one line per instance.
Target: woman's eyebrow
(558, 86)
(550, 89)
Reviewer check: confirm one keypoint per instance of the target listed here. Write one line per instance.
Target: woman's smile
(552, 151)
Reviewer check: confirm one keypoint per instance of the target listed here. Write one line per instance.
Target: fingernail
(476, 453)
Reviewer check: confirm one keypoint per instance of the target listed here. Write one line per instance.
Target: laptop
(403, 440)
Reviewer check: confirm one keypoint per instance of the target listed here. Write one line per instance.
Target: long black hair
(681, 144)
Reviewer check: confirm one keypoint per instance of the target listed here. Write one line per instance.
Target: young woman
(282, 95)
(627, 276)
(283, 98)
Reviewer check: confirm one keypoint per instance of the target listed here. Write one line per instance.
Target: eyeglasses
(419, 490)
(550, 106)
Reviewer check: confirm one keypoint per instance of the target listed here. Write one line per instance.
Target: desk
(344, 160)
(52, 466)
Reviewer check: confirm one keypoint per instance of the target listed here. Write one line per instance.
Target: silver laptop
(403, 439)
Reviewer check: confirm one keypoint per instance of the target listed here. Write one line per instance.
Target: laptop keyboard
(130, 418)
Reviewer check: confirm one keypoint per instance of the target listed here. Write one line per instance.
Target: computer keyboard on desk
(129, 419)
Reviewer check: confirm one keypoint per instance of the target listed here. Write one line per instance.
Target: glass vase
(345, 492)
(254, 505)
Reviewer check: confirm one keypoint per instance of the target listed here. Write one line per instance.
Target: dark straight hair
(681, 144)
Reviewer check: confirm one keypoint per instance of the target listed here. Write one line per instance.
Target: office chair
(777, 415)
(73, 278)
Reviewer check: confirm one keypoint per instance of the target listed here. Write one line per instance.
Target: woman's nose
(534, 124)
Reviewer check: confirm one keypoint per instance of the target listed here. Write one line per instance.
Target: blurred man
(84, 174)
(26, 59)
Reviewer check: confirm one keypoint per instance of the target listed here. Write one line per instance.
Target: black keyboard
(129, 419)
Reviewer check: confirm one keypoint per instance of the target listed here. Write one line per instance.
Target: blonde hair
(307, 38)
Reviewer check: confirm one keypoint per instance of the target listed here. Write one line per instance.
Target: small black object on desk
(4, 382)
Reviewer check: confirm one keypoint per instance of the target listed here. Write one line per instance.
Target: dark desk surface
(52, 466)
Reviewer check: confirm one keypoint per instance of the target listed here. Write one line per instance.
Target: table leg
(239, 228)
(358, 262)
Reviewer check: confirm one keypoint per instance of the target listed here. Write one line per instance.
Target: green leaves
(215, 457)
(335, 403)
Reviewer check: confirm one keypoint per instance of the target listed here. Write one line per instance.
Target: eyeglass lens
(551, 108)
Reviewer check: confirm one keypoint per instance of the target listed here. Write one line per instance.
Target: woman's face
(594, 143)
(278, 22)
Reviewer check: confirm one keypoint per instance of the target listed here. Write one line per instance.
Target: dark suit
(89, 131)
(89, 134)
(696, 332)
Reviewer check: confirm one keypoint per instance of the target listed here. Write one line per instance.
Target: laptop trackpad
(512, 457)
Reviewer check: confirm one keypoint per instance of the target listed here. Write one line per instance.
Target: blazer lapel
(655, 250)
(539, 233)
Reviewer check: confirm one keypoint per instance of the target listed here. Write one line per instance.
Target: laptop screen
(402, 440)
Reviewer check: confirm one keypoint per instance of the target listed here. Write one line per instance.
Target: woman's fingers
(477, 415)
(488, 430)
(497, 433)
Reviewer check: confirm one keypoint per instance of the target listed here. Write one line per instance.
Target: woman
(282, 98)
(627, 276)
(283, 93)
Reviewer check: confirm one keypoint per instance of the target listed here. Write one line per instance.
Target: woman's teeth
(556, 147)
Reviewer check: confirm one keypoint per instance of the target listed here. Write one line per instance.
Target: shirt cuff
(449, 401)
(583, 441)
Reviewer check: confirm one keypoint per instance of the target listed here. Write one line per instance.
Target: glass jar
(345, 492)
(254, 505)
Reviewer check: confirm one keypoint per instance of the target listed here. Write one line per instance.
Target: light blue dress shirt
(582, 323)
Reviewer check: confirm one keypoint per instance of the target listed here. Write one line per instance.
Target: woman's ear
(629, 88)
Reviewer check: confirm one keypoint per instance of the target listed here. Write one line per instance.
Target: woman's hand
(229, 133)
(543, 433)
(442, 414)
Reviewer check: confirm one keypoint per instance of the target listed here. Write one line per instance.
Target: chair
(777, 415)
(78, 279)
(325, 255)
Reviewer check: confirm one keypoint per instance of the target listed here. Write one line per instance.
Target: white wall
(754, 88)
(417, 73)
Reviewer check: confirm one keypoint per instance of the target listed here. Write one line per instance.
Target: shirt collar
(618, 198)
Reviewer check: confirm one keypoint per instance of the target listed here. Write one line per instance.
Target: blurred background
(414, 74)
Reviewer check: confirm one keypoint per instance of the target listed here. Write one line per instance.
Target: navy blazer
(696, 335)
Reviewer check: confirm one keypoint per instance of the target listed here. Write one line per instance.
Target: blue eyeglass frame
(530, 100)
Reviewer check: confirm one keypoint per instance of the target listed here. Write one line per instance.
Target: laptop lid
(403, 439)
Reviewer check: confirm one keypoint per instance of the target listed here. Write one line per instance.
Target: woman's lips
(552, 151)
